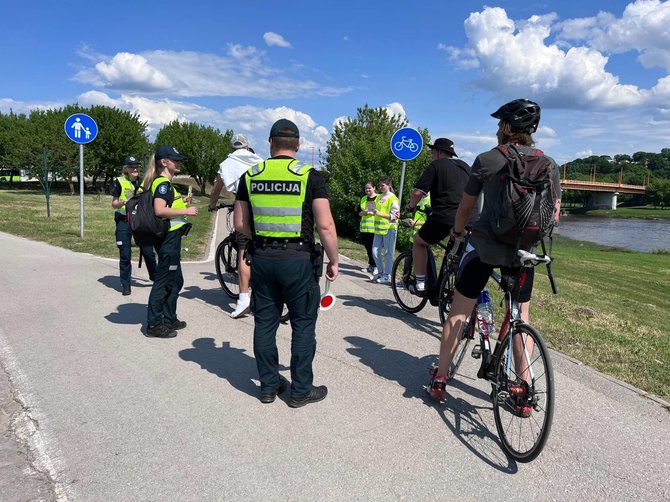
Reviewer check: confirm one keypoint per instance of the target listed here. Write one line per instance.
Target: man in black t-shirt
(445, 179)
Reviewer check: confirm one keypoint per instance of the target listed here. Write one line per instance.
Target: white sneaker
(421, 286)
(242, 308)
(384, 279)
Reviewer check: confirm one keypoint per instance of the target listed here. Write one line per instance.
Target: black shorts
(241, 240)
(473, 275)
(434, 230)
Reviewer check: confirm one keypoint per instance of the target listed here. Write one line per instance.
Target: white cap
(239, 141)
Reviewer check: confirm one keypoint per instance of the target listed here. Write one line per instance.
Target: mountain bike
(519, 368)
(439, 287)
(226, 257)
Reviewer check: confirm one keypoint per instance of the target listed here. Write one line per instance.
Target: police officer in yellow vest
(123, 188)
(162, 321)
(278, 204)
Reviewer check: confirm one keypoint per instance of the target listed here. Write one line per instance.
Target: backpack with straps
(524, 211)
(146, 227)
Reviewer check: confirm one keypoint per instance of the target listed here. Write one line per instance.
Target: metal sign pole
(81, 191)
(402, 183)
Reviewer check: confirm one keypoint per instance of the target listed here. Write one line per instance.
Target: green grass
(24, 213)
(611, 312)
(644, 212)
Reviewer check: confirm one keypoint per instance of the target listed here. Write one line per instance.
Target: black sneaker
(161, 331)
(315, 395)
(268, 397)
(126, 291)
(177, 325)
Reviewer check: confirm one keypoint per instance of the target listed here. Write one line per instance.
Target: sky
(600, 69)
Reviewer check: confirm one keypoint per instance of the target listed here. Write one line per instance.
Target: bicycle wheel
(523, 399)
(226, 267)
(401, 278)
(466, 335)
(446, 292)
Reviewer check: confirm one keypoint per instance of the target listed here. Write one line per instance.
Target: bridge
(605, 194)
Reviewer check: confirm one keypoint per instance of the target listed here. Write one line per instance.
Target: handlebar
(222, 205)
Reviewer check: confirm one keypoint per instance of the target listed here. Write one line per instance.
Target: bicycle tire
(524, 421)
(466, 335)
(401, 277)
(446, 292)
(226, 267)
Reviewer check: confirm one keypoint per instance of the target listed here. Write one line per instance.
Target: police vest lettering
(282, 187)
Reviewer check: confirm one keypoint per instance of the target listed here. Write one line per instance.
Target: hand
(456, 235)
(191, 211)
(331, 271)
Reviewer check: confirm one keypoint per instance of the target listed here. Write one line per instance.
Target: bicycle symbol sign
(406, 143)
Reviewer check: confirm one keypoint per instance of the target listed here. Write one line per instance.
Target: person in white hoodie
(230, 171)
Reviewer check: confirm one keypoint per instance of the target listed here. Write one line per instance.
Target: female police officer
(168, 203)
(123, 188)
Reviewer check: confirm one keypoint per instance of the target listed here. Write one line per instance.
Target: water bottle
(485, 312)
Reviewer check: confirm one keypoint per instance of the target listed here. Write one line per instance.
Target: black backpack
(524, 211)
(146, 227)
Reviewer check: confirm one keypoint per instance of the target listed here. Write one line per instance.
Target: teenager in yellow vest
(387, 212)
(366, 211)
(123, 188)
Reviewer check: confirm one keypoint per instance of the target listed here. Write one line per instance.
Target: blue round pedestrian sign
(406, 143)
(81, 128)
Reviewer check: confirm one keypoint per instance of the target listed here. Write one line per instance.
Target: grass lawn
(644, 212)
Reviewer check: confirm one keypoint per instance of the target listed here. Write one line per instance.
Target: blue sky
(599, 69)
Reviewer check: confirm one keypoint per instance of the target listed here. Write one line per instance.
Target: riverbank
(642, 212)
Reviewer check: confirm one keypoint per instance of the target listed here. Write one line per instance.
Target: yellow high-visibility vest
(367, 225)
(178, 203)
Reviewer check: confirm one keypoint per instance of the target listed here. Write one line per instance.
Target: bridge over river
(603, 194)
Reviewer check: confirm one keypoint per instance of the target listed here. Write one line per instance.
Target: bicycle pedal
(477, 352)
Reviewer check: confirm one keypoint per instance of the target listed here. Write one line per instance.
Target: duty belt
(283, 244)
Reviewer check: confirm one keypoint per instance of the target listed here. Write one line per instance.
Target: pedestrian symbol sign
(81, 128)
(406, 143)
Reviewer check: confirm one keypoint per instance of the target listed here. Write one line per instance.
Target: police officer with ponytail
(279, 203)
(123, 188)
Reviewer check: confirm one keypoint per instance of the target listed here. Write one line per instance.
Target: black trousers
(367, 239)
(273, 283)
(168, 281)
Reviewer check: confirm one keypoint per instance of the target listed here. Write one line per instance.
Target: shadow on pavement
(113, 282)
(462, 418)
(213, 296)
(129, 313)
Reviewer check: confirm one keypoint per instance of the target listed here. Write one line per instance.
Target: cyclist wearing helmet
(518, 119)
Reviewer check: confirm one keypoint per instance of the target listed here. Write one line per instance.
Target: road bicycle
(519, 367)
(439, 286)
(226, 257)
(406, 143)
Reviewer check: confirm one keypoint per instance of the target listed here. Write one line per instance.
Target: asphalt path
(93, 410)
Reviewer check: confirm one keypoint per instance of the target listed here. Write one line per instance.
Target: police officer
(162, 318)
(123, 188)
(278, 204)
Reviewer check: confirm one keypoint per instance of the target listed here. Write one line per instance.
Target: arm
(163, 211)
(326, 228)
(414, 199)
(117, 202)
(463, 214)
(216, 191)
(242, 218)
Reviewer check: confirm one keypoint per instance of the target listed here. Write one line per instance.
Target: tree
(658, 193)
(359, 151)
(205, 148)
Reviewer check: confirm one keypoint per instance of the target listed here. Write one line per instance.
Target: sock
(420, 282)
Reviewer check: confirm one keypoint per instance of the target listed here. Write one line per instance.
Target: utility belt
(271, 243)
(119, 217)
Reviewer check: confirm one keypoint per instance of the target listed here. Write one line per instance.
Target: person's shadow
(113, 282)
(226, 361)
(462, 418)
(213, 296)
(129, 313)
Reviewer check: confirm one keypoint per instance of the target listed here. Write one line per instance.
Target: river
(629, 233)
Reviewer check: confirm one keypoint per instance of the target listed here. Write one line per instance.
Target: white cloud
(243, 71)
(396, 109)
(514, 60)
(271, 39)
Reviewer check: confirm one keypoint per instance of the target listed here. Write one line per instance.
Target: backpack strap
(503, 149)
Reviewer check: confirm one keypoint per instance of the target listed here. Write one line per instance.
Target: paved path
(91, 410)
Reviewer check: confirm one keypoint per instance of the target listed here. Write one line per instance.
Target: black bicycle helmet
(523, 114)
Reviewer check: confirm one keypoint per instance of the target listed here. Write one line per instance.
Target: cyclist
(230, 170)
(518, 119)
(445, 179)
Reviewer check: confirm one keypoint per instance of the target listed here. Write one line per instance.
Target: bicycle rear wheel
(523, 400)
(226, 267)
(446, 292)
(401, 278)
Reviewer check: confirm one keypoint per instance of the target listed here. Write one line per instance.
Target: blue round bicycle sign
(406, 143)
(81, 128)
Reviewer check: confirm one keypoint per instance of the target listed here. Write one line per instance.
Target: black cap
(444, 144)
(168, 152)
(131, 161)
(284, 128)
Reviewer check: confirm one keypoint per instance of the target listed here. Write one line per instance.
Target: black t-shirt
(445, 179)
(164, 191)
(316, 189)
